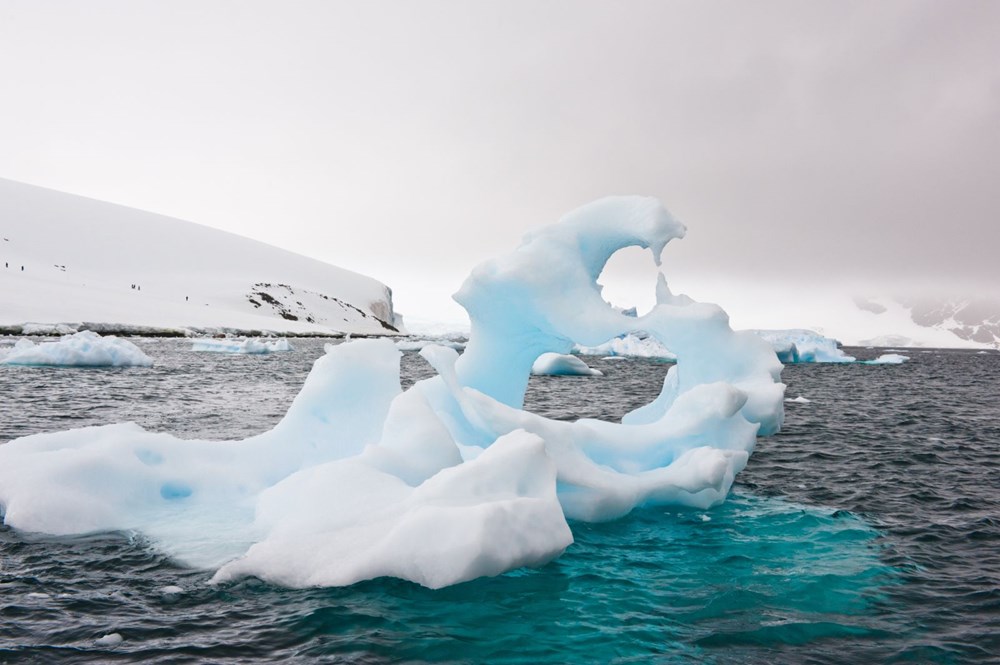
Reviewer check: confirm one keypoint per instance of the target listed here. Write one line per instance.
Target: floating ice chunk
(83, 349)
(109, 640)
(171, 590)
(51, 329)
(252, 345)
(799, 400)
(451, 479)
(630, 345)
(418, 344)
(558, 364)
(888, 359)
(803, 346)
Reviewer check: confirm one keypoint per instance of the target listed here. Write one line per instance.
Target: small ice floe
(557, 364)
(887, 359)
(38, 596)
(798, 400)
(171, 591)
(418, 344)
(705, 518)
(109, 640)
(251, 346)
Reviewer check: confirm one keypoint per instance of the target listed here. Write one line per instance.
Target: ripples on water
(868, 530)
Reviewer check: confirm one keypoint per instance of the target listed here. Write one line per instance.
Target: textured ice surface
(803, 346)
(84, 349)
(252, 345)
(451, 479)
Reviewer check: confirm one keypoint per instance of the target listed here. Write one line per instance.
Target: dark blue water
(868, 530)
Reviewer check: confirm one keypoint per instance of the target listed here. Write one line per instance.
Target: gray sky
(809, 142)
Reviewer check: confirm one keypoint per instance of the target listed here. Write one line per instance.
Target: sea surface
(866, 531)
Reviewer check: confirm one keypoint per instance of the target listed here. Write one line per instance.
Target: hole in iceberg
(628, 281)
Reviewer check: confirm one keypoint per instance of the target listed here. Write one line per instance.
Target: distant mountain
(974, 320)
(66, 259)
(968, 322)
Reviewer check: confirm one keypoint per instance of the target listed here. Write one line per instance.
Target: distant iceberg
(252, 345)
(416, 344)
(451, 479)
(887, 359)
(803, 346)
(83, 349)
(630, 346)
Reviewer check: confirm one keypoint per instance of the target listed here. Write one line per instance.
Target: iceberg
(252, 345)
(803, 346)
(558, 364)
(83, 349)
(450, 479)
(629, 346)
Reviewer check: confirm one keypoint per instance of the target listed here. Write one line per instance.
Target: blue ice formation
(84, 349)
(451, 479)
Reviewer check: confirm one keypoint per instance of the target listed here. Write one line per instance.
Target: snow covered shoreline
(129, 330)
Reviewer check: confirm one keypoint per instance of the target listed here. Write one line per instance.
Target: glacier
(451, 479)
(82, 349)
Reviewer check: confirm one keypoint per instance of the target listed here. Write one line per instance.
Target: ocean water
(867, 531)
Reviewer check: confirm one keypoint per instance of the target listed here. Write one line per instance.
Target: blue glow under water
(868, 530)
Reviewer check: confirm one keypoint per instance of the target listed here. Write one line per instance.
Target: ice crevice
(451, 479)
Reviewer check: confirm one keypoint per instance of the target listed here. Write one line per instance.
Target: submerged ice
(451, 479)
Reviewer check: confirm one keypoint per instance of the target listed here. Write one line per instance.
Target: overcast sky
(799, 141)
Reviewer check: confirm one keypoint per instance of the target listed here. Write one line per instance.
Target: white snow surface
(451, 479)
(82, 257)
(84, 349)
(561, 364)
(252, 345)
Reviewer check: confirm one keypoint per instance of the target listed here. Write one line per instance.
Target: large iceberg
(451, 479)
(84, 349)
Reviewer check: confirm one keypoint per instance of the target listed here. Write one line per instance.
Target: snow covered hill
(66, 259)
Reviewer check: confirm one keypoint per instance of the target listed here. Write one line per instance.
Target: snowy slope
(81, 258)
